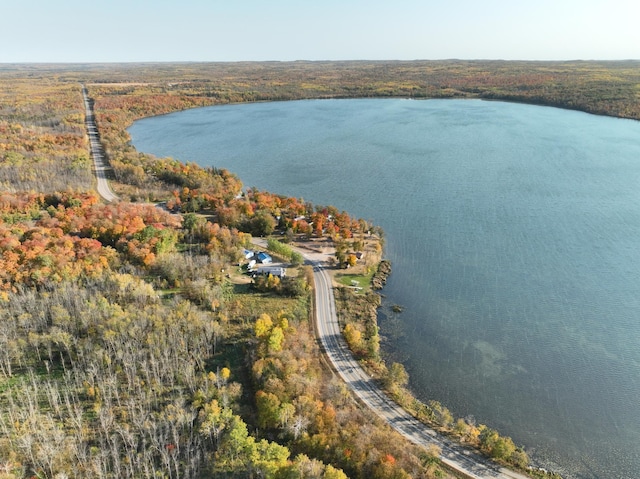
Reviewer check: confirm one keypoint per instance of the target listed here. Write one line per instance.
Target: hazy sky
(235, 30)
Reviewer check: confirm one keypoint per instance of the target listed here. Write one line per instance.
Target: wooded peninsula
(133, 343)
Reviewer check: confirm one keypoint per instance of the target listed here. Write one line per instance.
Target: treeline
(606, 87)
(63, 237)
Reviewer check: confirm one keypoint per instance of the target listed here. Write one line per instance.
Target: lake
(514, 233)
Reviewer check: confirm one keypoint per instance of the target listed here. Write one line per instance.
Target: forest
(131, 343)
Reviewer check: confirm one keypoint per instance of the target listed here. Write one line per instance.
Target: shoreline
(479, 98)
(515, 101)
(381, 98)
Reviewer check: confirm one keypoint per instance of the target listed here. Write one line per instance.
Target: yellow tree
(268, 406)
(263, 326)
(353, 337)
(276, 339)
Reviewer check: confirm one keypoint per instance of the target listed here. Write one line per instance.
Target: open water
(514, 233)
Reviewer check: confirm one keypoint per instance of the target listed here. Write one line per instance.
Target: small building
(248, 254)
(264, 258)
(278, 271)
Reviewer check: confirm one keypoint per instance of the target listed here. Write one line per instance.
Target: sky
(285, 30)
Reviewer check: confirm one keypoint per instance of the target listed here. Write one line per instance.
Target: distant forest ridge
(601, 87)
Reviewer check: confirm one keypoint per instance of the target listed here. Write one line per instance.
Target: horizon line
(453, 59)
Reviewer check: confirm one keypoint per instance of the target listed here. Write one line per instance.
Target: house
(264, 258)
(273, 271)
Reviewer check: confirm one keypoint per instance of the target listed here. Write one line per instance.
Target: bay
(514, 233)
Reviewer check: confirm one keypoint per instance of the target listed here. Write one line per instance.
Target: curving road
(97, 152)
(461, 459)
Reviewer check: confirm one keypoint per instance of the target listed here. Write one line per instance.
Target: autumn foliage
(125, 351)
(299, 402)
(75, 235)
(43, 145)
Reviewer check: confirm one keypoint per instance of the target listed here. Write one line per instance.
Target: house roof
(272, 270)
(263, 256)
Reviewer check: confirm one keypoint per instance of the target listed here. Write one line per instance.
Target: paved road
(463, 460)
(97, 152)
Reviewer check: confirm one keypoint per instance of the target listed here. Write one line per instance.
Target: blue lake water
(514, 233)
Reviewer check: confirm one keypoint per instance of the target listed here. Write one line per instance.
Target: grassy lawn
(246, 304)
(355, 280)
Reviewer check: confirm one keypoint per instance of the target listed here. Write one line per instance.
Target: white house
(272, 270)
